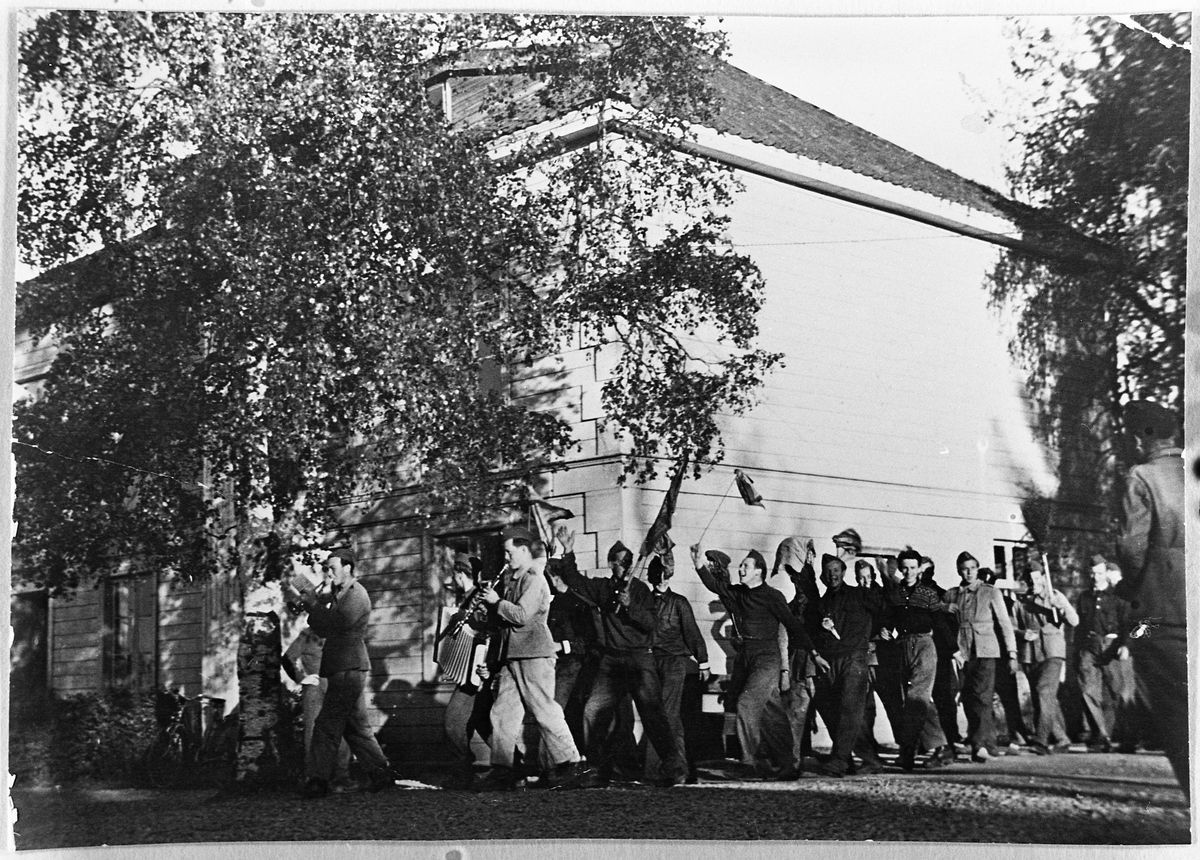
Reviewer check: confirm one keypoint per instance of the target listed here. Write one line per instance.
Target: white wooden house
(897, 413)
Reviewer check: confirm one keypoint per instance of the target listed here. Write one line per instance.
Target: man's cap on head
(467, 564)
(826, 558)
(718, 558)
(848, 537)
(1147, 418)
(517, 533)
(618, 550)
(1098, 559)
(345, 553)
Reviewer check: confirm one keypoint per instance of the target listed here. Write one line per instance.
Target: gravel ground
(1072, 798)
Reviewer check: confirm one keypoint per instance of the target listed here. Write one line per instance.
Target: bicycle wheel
(162, 763)
(219, 754)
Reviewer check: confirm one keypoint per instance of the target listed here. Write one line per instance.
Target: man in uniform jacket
(341, 616)
(758, 611)
(981, 613)
(626, 665)
(1151, 555)
(1104, 663)
(677, 645)
(847, 621)
(1040, 616)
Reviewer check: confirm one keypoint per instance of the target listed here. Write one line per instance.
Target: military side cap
(345, 553)
(517, 533)
(826, 558)
(1147, 418)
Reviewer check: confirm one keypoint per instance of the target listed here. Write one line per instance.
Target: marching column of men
(567, 655)
(829, 650)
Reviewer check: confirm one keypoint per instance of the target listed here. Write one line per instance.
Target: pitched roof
(757, 111)
(492, 95)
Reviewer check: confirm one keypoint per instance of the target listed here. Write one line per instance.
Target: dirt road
(1068, 798)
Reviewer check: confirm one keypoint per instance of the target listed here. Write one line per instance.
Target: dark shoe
(1040, 748)
(574, 774)
(496, 779)
(1063, 747)
(981, 755)
(869, 767)
(906, 760)
(940, 757)
(382, 780)
(314, 788)
(1104, 745)
(1127, 749)
(834, 768)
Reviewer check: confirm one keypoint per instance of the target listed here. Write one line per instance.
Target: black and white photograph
(533, 427)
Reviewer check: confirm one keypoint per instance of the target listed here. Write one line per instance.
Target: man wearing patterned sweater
(911, 607)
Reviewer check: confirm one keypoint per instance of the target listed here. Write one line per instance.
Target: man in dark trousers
(913, 610)
(469, 710)
(1151, 554)
(676, 643)
(626, 665)
(1103, 656)
(574, 634)
(758, 611)
(341, 615)
(795, 556)
(847, 619)
(985, 636)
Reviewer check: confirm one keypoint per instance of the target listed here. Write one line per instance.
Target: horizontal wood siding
(181, 636)
(75, 658)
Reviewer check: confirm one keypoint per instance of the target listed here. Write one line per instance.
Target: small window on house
(1009, 558)
(130, 620)
(484, 545)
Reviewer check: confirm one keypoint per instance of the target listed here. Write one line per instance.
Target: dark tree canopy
(1105, 151)
(309, 272)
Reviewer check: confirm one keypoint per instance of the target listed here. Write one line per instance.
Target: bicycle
(184, 752)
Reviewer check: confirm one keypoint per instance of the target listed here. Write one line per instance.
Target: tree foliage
(308, 267)
(1105, 152)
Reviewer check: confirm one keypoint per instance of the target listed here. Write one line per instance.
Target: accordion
(460, 654)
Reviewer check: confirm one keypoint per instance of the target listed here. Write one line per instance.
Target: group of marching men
(557, 638)
(564, 644)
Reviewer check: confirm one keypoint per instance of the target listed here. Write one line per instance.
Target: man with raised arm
(847, 618)
(626, 666)
(758, 611)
